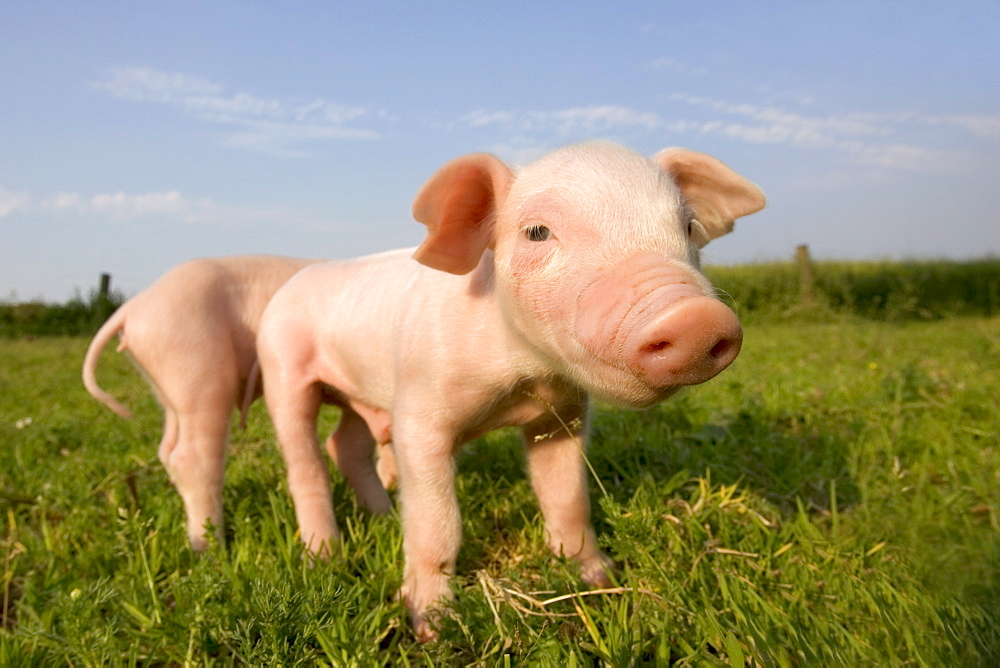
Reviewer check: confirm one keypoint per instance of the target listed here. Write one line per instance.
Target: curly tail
(114, 325)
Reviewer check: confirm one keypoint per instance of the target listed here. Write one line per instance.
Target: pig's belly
(379, 420)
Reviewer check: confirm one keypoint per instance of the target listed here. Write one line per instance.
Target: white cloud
(588, 120)
(481, 117)
(865, 136)
(667, 64)
(598, 119)
(120, 205)
(11, 202)
(986, 127)
(270, 125)
(64, 201)
(907, 157)
(519, 151)
(777, 125)
(125, 207)
(873, 139)
(143, 84)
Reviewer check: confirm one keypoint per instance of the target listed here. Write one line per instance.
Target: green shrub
(887, 291)
(77, 317)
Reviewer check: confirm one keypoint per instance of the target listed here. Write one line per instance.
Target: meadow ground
(831, 499)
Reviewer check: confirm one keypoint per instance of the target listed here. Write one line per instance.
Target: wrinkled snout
(690, 342)
(656, 321)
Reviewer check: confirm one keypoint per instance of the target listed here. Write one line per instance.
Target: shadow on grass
(779, 456)
(776, 455)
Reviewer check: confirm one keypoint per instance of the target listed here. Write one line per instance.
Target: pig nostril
(657, 347)
(721, 348)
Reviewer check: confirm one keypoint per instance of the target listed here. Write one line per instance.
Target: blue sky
(134, 136)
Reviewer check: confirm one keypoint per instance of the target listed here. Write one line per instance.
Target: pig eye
(537, 233)
(695, 230)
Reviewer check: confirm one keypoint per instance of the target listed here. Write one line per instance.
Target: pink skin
(193, 333)
(656, 322)
(575, 275)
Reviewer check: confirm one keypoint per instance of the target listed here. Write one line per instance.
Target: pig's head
(594, 253)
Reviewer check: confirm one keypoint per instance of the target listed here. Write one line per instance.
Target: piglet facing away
(576, 275)
(193, 333)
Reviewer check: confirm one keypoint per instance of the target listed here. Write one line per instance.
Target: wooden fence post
(807, 278)
(103, 306)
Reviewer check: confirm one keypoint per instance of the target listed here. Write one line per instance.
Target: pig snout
(689, 343)
(656, 321)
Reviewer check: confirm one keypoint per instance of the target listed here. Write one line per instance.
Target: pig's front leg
(559, 477)
(294, 408)
(431, 523)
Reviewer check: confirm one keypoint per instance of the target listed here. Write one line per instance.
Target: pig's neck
(524, 380)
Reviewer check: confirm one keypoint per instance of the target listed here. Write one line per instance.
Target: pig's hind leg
(293, 402)
(196, 465)
(352, 447)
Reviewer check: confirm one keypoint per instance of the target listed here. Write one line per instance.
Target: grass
(831, 499)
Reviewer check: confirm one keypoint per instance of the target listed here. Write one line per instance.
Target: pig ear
(458, 205)
(716, 194)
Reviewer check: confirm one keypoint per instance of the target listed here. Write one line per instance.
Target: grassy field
(831, 499)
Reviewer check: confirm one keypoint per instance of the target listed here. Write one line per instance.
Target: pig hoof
(421, 621)
(423, 631)
(318, 550)
(426, 608)
(385, 467)
(378, 505)
(595, 571)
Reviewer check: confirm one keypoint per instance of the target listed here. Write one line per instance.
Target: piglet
(575, 276)
(192, 333)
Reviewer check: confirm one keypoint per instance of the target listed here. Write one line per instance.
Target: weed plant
(831, 499)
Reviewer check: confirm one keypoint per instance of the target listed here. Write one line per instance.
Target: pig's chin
(618, 387)
(602, 379)
(630, 393)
